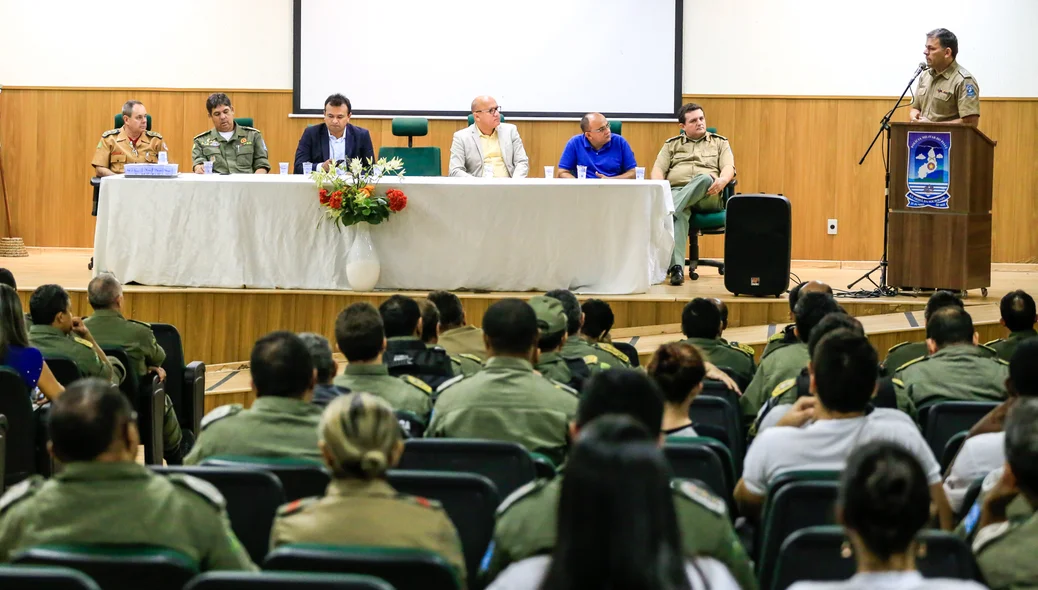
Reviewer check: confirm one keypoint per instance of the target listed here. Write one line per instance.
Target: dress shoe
(677, 275)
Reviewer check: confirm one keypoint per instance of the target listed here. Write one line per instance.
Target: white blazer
(467, 152)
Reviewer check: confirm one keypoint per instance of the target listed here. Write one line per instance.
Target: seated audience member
(598, 321)
(334, 141)
(903, 353)
(57, 333)
(102, 496)
(788, 334)
(575, 347)
(605, 155)
(956, 369)
(843, 371)
(406, 355)
(1018, 316)
(321, 356)
(617, 525)
(982, 453)
(702, 326)
(488, 145)
(883, 504)
(679, 371)
(461, 364)
(15, 351)
(507, 400)
(456, 336)
(698, 164)
(281, 422)
(7, 278)
(361, 337)
(232, 148)
(551, 321)
(527, 521)
(133, 143)
(1004, 547)
(359, 440)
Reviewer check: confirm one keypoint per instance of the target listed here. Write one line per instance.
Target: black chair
(300, 478)
(142, 400)
(716, 411)
(951, 448)
(282, 580)
(3, 450)
(185, 382)
(65, 370)
(19, 437)
(630, 351)
(253, 497)
(470, 501)
(411, 424)
(698, 462)
(117, 567)
(403, 568)
(944, 420)
(24, 577)
(508, 465)
(972, 493)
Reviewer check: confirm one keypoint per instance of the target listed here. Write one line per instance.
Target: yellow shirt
(491, 145)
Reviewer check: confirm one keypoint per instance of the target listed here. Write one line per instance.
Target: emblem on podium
(929, 167)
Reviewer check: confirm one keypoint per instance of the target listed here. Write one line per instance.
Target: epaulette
(783, 387)
(719, 136)
(296, 506)
(613, 351)
(200, 135)
(897, 346)
(741, 348)
(897, 382)
(563, 386)
(448, 383)
(776, 336)
(676, 137)
(590, 359)
(145, 324)
(995, 341)
(110, 132)
(153, 134)
(415, 381)
(82, 341)
(20, 492)
(221, 413)
(1001, 361)
(199, 486)
(471, 357)
(249, 128)
(988, 349)
(700, 496)
(520, 493)
(421, 501)
(910, 363)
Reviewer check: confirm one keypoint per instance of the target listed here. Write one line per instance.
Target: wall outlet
(831, 227)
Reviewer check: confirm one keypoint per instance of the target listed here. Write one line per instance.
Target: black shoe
(677, 275)
(693, 275)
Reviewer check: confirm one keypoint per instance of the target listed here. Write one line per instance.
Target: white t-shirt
(979, 456)
(226, 135)
(890, 581)
(528, 573)
(826, 444)
(683, 432)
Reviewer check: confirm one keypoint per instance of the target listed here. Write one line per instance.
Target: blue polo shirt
(615, 157)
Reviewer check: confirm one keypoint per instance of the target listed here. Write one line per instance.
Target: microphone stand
(882, 289)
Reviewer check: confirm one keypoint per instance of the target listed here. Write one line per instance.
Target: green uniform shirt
(244, 153)
(52, 342)
(1005, 347)
(463, 340)
(110, 328)
(902, 353)
(554, 367)
(960, 372)
(577, 347)
(272, 427)
(526, 526)
(783, 364)
(606, 355)
(506, 401)
(406, 393)
(780, 340)
(682, 158)
(121, 503)
(952, 94)
(738, 358)
(1005, 554)
(466, 364)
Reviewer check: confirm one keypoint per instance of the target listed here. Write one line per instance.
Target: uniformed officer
(900, 354)
(360, 335)
(956, 369)
(325, 366)
(405, 352)
(462, 364)
(281, 422)
(698, 164)
(787, 336)
(232, 148)
(1018, 316)
(133, 143)
(57, 333)
(946, 93)
(701, 325)
(598, 321)
(359, 442)
(102, 496)
(575, 346)
(456, 336)
(507, 400)
(551, 322)
(527, 520)
(111, 328)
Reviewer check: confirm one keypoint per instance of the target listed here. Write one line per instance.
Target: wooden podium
(935, 240)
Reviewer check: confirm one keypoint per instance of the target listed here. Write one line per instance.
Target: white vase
(362, 265)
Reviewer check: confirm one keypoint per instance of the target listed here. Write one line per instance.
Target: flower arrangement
(347, 193)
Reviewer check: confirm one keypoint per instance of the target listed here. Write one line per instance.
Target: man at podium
(947, 93)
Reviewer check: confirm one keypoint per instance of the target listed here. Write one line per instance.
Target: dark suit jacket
(313, 145)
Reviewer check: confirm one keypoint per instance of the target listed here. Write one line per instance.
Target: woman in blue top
(15, 351)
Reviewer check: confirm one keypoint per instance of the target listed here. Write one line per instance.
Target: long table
(590, 236)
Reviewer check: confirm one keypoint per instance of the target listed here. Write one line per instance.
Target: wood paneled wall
(804, 148)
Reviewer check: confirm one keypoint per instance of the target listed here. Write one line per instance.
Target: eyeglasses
(489, 111)
(601, 129)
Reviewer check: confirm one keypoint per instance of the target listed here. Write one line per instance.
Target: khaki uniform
(52, 342)
(115, 150)
(369, 513)
(1005, 554)
(121, 503)
(463, 340)
(526, 526)
(1005, 347)
(959, 372)
(506, 401)
(781, 365)
(901, 354)
(273, 427)
(952, 94)
(406, 392)
(466, 364)
(244, 153)
(737, 357)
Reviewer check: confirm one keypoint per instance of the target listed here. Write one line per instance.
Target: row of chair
(27, 577)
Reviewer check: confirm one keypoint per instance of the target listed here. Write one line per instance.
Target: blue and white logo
(929, 168)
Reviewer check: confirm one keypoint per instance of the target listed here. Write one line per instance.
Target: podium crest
(929, 169)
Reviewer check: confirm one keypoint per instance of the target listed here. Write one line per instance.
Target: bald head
(104, 291)
(596, 129)
(486, 113)
(592, 121)
(723, 308)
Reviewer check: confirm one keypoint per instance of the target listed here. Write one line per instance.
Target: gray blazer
(467, 153)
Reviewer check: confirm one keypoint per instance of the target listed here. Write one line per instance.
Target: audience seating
(411, 424)
(507, 464)
(284, 580)
(24, 577)
(3, 450)
(418, 161)
(151, 413)
(951, 448)
(244, 121)
(693, 460)
(403, 568)
(65, 370)
(117, 567)
(19, 436)
(543, 466)
(185, 382)
(943, 420)
(630, 351)
(716, 411)
(300, 478)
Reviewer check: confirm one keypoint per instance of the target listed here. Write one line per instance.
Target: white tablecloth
(591, 236)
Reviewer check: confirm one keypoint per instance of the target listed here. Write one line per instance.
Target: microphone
(919, 70)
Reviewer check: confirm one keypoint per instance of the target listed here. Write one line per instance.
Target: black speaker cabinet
(757, 245)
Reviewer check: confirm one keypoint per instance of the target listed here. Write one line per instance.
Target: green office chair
(117, 567)
(616, 127)
(119, 121)
(403, 568)
(244, 121)
(418, 161)
(709, 223)
(472, 119)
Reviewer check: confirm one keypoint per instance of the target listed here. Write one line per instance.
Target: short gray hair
(321, 353)
(103, 290)
(128, 107)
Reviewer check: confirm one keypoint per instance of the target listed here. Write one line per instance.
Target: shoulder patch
(520, 493)
(741, 347)
(110, 132)
(471, 357)
(415, 381)
(910, 363)
(82, 341)
(776, 336)
(153, 134)
(613, 351)
(20, 492)
(421, 501)
(200, 487)
(783, 387)
(448, 383)
(700, 496)
(221, 413)
(295, 506)
(995, 341)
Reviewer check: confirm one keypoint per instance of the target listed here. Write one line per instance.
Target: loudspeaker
(757, 245)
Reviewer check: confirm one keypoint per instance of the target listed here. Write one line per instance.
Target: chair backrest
(418, 161)
(946, 419)
(724, 455)
(410, 423)
(628, 349)
(693, 460)
(281, 580)
(507, 464)
(65, 370)
(150, 416)
(244, 121)
(470, 501)
(24, 577)
(796, 500)
(403, 568)
(951, 448)
(300, 478)
(972, 493)
(616, 127)
(185, 382)
(117, 567)
(716, 411)
(253, 497)
(119, 121)
(130, 385)
(19, 454)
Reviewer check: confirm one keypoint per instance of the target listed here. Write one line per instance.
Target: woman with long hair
(616, 526)
(15, 351)
(679, 369)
